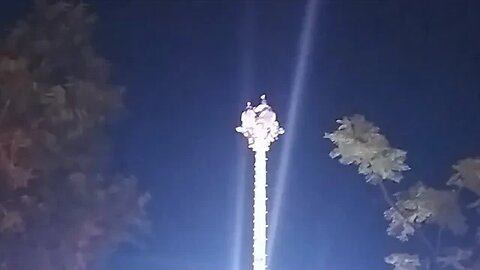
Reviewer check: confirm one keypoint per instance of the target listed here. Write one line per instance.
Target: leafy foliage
(60, 205)
(423, 204)
(467, 175)
(359, 142)
(456, 259)
(403, 261)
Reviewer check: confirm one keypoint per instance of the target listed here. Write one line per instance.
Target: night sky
(411, 67)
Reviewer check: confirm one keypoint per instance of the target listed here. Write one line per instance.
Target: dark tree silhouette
(61, 206)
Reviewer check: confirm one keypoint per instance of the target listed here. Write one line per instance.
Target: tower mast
(260, 127)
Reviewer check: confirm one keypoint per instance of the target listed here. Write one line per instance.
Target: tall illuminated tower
(260, 127)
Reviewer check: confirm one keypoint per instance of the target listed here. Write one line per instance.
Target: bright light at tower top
(260, 125)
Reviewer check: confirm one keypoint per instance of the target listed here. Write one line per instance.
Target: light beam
(247, 80)
(304, 49)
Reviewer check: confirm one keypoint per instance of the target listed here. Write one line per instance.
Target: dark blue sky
(412, 67)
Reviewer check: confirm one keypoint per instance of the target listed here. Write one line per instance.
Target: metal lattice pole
(260, 127)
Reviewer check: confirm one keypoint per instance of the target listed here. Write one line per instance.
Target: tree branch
(4, 111)
(438, 245)
(439, 240)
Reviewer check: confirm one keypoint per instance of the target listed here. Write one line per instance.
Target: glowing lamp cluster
(260, 127)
